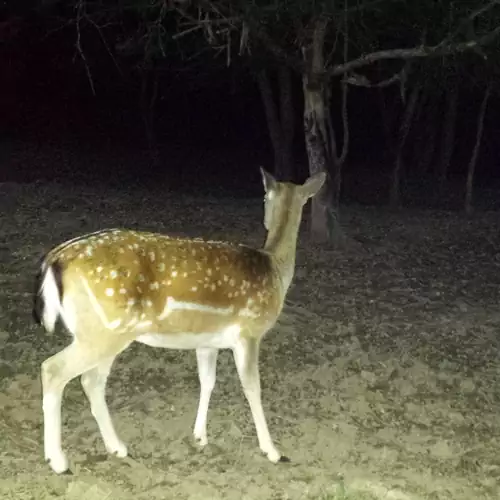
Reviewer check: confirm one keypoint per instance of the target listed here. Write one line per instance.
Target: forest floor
(380, 381)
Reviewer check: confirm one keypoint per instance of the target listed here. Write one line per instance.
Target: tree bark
(404, 128)
(287, 116)
(448, 137)
(475, 152)
(387, 123)
(280, 123)
(336, 159)
(320, 143)
(147, 105)
(425, 148)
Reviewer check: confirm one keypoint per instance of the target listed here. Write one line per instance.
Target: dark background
(210, 125)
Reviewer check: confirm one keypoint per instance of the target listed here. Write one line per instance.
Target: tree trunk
(426, 146)
(395, 191)
(287, 116)
(386, 123)
(280, 124)
(448, 137)
(475, 152)
(404, 128)
(319, 141)
(337, 160)
(322, 226)
(147, 105)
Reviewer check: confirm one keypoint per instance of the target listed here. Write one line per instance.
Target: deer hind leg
(207, 372)
(94, 385)
(246, 356)
(56, 372)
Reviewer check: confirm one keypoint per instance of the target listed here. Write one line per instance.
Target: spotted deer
(116, 286)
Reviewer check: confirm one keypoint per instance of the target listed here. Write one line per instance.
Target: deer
(113, 287)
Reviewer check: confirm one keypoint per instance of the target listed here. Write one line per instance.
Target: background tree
(280, 116)
(328, 41)
(483, 76)
(471, 168)
(326, 45)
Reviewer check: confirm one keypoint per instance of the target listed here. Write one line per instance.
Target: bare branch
(78, 43)
(412, 53)
(249, 26)
(280, 53)
(187, 31)
(244, 38)
(358, 80)
(464, 22)
(105, 43)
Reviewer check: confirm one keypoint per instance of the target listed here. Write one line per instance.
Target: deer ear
(268, 180)
(313, 184)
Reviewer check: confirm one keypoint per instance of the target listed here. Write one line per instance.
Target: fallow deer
(116, 286)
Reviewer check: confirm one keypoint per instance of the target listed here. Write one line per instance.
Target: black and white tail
(48, 295)
(49, 290)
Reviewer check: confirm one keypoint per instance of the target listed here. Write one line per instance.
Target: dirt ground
(380, 381)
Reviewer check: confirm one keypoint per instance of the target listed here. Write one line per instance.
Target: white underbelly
(225, 339)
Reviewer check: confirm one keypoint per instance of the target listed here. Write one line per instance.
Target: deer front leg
(207, 372)
(94, 385)
(246, 356)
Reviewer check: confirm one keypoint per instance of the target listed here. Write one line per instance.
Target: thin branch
(105, 43)
(159, 27)
(244, 38)
(78, 44)
(258, 30)
(187, 31)
(475, 152)
(228, 54)
(413, 53)
(464, 22)
(64, 24)
(358, 80)
(443, 48)
(280, 53)
(230, 21)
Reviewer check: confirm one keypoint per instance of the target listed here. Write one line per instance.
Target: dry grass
(380, 380)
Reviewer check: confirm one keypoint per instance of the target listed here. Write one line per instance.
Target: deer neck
(281, 244)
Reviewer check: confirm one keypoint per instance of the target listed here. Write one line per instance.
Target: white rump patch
(52, 304)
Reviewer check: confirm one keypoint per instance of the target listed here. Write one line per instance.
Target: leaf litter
(380, 379)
